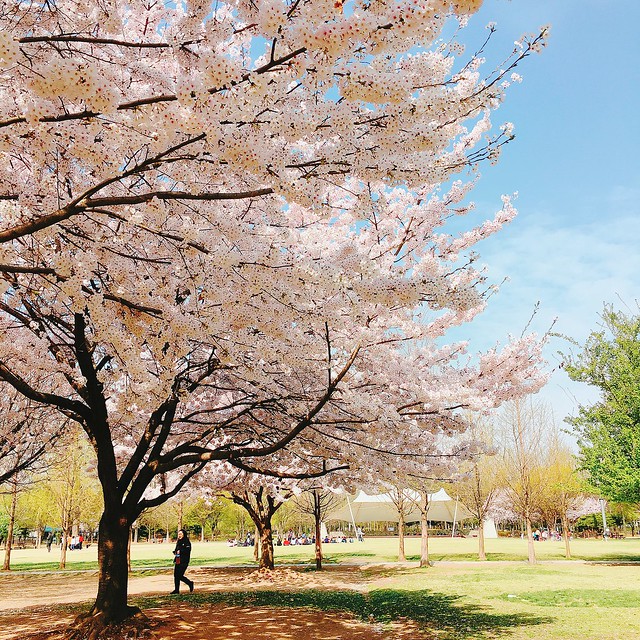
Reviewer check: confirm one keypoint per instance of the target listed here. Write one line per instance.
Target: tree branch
(72, 408)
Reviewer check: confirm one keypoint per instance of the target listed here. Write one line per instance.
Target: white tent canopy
(381, 508)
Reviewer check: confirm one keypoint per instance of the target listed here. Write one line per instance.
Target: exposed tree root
(94, 626)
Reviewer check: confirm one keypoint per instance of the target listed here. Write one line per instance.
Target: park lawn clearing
(449, 601)
(372, 550)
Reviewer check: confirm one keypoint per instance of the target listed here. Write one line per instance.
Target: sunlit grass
(458, 598)
(468, 601)
(372, 550)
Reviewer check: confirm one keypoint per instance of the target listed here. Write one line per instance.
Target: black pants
(178, 576)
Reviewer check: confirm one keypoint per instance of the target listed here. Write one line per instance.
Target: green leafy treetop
(609, 430)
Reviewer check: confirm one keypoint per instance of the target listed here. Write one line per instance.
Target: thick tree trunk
(12, 521)
(424, 540)
(565, 535)
(110, 606)
(482, 555)
(113, 572)
(401, 554)
(266, 546)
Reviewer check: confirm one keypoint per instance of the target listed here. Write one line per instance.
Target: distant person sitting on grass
(181, 557)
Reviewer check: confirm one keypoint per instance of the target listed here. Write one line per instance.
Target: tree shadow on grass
(617, 559)
(453, 619)
(446, 613)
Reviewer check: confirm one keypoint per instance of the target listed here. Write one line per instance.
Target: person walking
(181, 557)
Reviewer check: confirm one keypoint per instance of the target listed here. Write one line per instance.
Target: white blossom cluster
(235, 209)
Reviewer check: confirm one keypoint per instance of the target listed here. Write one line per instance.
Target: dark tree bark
(267, 560)
(110, 606)
(261, 507)
(113, 542)
(317, 515)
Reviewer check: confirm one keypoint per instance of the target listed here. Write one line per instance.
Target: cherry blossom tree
(263, 491)
(261, 503)
(222, 223)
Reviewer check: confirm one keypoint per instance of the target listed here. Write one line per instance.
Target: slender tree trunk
(64, 543)
(257, 542)
(530, 544)
(12, 521)
(565, 535)
(401, 555)
(424, 540)
(202, 532)
(482, 555)
(316, 518)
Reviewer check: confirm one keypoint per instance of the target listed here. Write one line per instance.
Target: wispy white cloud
(572, 265)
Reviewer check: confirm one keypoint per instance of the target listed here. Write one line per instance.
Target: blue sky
(576, 168)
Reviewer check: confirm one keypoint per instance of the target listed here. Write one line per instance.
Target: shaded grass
(448, 614)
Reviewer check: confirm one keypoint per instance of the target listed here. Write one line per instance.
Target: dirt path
(30, 607)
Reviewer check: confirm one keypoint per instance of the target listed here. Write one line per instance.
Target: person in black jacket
(181, 557)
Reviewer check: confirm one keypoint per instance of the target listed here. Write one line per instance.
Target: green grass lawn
(372, 550)
(572, 600)
(456, 599)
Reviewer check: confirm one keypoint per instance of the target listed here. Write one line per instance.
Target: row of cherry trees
(223, 239)
(526, 474)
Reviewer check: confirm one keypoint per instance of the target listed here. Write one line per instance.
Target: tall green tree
(609, 430)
